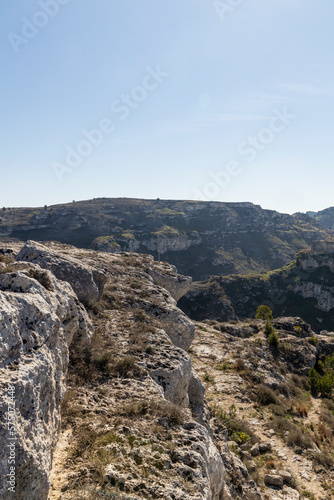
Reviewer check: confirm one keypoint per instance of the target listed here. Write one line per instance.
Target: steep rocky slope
(281, 436)
(200, 238)
(304, 287)
(135, 423)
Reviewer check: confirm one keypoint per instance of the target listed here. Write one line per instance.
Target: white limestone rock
(38, 322)
(86, 281)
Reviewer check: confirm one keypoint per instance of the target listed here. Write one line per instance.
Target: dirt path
(60, 473)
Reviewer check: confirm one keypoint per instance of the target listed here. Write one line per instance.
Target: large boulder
(39, 318)
(86, 281)
(166, 276)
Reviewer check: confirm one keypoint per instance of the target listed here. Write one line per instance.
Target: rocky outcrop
(177, 326)
(321, 254)
(146, 315)
(39, 318)
(166, 276)
(171, 368)
(242, 484)
(86, 281)
(293, 326)
(259, 392)
(196, 395)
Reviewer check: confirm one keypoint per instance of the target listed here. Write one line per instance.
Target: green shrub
(299, 439)
(268, 328)
(314, 381)
(6, 259)
(102, 361)
(161, 409)
(325, 385)
(238, 429)
(222, 366)
(208, 378)
(293, 436)
(273, 339)
(323, 460)
(264, 312)
(313, 340)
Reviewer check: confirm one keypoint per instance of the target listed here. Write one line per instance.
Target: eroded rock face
(38, 320)
(236, 467)
(178, 327)
(293, 326)
(86, 281)
(172, 370)
(204, 453)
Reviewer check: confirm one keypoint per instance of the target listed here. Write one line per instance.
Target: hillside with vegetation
(304, 287)
(200, 238)
(324, 217)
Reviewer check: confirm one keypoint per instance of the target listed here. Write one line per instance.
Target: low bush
(277, 409)
(297, 438)
(161, 409)
(327, 417)
(301, 381)
(291, 433)
(43, 277)
(6, 259)
(238, 429)
(268, 328)
(84, 439)
(265, 395)
(323, 460)
(127, 366)
(102, 361)
(208, 378)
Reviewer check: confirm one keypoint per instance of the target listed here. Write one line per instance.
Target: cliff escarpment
(200, 238)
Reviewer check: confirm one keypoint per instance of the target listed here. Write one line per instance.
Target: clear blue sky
(221, 76)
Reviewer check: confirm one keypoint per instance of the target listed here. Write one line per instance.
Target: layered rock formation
(135, 419)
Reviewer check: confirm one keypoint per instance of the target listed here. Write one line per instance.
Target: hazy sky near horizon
(230, 100)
